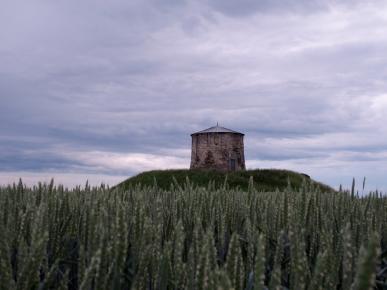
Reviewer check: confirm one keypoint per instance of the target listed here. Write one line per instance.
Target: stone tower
(218, 148)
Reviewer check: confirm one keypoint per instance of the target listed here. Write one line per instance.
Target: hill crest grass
(263, 179)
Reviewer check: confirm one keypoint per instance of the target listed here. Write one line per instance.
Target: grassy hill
(264, 179)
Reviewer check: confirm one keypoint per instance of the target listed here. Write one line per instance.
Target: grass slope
(264, 179)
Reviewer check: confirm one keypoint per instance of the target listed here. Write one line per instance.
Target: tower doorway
(232, 164)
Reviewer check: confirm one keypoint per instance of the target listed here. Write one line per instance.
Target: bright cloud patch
(130, 162)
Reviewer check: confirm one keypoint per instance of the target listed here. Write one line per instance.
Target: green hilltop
(263, 179)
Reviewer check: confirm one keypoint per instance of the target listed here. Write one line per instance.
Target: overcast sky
(102, 90)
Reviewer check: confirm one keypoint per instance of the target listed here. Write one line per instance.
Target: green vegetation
(264, 179)
(191, 237)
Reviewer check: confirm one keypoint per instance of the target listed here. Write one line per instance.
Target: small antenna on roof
(217, 125)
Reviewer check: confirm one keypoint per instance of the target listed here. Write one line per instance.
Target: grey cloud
(272, 155)
(249, 7)
(243, 8)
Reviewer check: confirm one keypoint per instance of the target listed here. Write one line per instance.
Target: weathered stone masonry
(218, 148)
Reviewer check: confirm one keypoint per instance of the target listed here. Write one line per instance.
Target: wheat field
(191, 237)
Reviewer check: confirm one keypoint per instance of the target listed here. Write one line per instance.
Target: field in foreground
(191, 238)
(263, 179)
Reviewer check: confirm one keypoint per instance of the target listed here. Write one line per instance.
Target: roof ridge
(217, 129)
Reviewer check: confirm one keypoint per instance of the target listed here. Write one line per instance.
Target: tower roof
(217, 129)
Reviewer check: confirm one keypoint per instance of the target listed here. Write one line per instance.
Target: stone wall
(221, 151)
